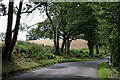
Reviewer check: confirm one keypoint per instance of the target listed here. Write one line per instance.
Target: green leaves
(2, 37)
(31, 35)
(108, 17)
(44, 30)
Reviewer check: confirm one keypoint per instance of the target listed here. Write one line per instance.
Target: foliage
(104, 71)
(44, 30)
(3, 10)
(109, 19)
(84, 53)
(31, 49)
(49, 56)
(2, 37)
(98, 23)
(31, 35)
(27, 56)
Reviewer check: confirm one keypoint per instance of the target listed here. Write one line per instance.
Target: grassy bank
(104, 71)
(107, 73)
(27, 56)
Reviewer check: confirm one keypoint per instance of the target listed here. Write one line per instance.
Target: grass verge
(104, 71)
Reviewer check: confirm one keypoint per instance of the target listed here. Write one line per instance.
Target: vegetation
(27, 56)
(98, 23)
(2, 37)
(106, 73)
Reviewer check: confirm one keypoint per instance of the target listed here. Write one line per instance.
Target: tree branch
(48, 15)
(31, 10)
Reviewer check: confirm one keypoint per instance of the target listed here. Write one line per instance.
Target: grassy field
(75, 44)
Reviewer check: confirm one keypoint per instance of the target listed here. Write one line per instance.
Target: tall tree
(109, 26)
(10, 39)
(83, 23)
(55, 9)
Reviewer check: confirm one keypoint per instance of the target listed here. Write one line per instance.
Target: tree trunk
(97, 49)
(67, 46)
(8, 32)
(54, 38)
(90, 45)
(14, 39)
(57, 40)
(55, 29)
(52, 25)
(63, 43)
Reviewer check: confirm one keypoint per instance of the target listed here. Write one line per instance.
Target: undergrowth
(27, 56)
(107, 73)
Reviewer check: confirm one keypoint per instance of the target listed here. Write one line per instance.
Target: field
(75, 44)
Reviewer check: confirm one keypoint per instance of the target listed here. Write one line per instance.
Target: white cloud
(3, 23)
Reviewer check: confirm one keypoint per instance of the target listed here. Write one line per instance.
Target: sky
(29, 20)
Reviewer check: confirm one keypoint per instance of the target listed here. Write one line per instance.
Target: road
(85, 69)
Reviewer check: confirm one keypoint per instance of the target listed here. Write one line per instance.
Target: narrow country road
(86, 69)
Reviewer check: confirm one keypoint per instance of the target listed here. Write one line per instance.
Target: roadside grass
(106, 73)
(84, 53)
(27, 56)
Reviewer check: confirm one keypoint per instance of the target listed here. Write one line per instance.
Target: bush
(23, 48)
(40, 56)
(30, 49)
(82, 55)
(96, 55)
(50, 56)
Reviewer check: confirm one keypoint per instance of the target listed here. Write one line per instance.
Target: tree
(31, 35)
(112, 22)
(44, 30)
(70, 27)
(108, 18)
(3, 8)
(55, 9)
(10, 39)
(83, 23)
(11, 35)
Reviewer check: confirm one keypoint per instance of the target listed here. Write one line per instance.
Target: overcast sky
(29, 20)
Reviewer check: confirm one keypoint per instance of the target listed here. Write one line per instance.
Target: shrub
(20, 42)
(40, 56)
(31, 49)
(81, 52)
(96, 55)
(23, 48)
(50, 56)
